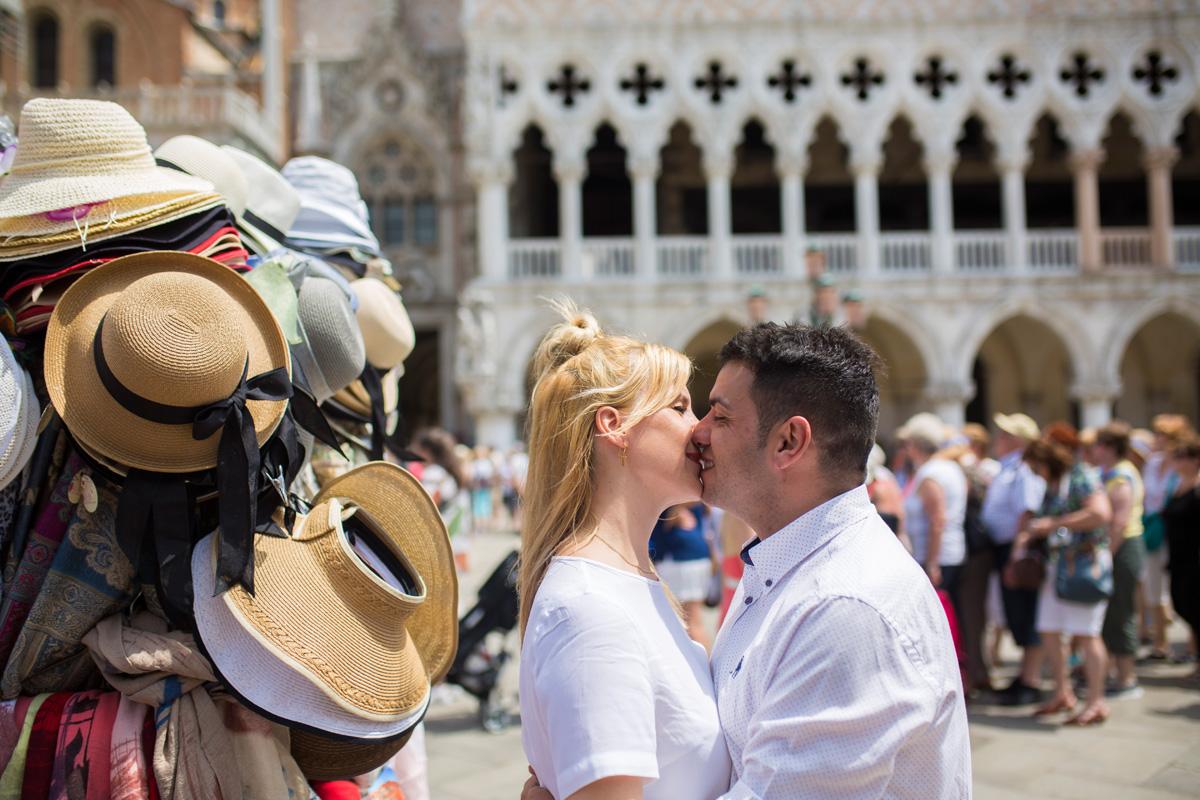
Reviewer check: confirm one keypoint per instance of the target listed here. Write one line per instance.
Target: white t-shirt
(949, 475)
(612, 685)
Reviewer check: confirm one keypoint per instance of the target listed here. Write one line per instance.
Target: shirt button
(768, 581)
(749, 600)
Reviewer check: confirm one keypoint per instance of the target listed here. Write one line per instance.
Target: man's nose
(700, 433)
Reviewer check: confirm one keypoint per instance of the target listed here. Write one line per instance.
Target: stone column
(496, 428)
(941, 210)
(309, 111)
(866, 211)
(1158, 162)
(569, 173)
(1085, 164)
(949, 401)
(791, 188)
(717, 171)
(1012, 177)
(644, 172)
(1095, 403)
(491, 182)
(273, 92)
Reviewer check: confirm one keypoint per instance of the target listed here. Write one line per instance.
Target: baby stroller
(482, 635)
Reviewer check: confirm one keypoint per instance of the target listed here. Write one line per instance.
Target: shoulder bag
(1084, 574)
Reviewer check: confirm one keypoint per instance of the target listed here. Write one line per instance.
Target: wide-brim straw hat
(142, 215)
(78, 152)
(1019, 425)
(19, 449)
(180, 331)
(343, 637)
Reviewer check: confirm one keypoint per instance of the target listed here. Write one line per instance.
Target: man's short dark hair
(825, 374)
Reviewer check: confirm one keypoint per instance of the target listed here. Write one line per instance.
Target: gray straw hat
(332, 353)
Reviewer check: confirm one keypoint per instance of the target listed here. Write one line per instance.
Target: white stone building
(1013, 187)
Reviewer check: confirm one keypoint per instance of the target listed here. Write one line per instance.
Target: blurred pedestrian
(1126, 494)
(1013, 498)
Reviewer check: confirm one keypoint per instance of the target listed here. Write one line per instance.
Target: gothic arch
(1118, 342)
(1079, 351)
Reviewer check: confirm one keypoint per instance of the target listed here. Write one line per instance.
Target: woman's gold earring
(623, 449)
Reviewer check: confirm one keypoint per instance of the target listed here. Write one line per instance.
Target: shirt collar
(797, 540)
(1011, 460)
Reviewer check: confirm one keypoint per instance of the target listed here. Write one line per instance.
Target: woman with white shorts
(1077, 508)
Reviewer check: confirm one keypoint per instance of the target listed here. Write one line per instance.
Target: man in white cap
(1014, 497)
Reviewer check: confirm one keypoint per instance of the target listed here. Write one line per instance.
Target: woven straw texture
(202, 158)
(29, 231)
(16, 248)
(179, 333)
(386, 329)
(332, 334)
(322, 759)
(394, 497)
(320, 610)
(272, 671)
(76, 152)
(20, 448)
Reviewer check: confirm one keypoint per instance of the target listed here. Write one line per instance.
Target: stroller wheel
(492, 715)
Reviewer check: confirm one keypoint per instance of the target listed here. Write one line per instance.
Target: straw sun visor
(178, 330)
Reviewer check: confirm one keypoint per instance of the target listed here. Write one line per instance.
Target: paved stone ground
(1148, 750)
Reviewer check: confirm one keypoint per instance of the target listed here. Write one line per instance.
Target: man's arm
(842, 698)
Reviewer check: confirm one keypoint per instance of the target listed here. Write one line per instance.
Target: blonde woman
(616, 701)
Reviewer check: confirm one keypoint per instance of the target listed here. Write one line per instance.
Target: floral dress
(1082, 483)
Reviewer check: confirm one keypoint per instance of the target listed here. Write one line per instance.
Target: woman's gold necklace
(623, 558)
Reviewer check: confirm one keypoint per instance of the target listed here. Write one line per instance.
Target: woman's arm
(1121, 497)
(1096, 512)
(933, 500)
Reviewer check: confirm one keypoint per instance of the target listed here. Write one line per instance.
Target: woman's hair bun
(567, 339)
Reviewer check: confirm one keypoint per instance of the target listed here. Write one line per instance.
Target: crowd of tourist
(1083, 545)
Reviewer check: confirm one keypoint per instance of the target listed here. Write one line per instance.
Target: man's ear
(790, 442)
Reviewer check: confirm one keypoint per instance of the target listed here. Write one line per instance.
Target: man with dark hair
(835, 671)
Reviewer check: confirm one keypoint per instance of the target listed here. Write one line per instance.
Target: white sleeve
(830, 718)
(595, 695)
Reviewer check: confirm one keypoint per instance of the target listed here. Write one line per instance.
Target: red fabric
(43, 741)
(952, 618)
(336, 790)
(148, 734)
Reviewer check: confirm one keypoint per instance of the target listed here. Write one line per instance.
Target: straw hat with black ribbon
(271, 206)
(354, 619)
(170, 363)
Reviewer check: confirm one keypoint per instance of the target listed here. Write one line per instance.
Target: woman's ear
(608, 421)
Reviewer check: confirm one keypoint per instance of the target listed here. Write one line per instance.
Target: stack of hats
(332, 222)
(85, 189)
(152, 529)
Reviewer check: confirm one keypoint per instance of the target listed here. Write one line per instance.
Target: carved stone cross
(935, 76)
(568, 84)
(641, 84)
(1155, 72)
(1009, 75)
(1082, 74)
(863, 78)
(789, 80)
(715, 81)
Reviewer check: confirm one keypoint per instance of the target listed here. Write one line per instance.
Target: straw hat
(271, 205)
(200, 157)
(78, 152)
(924, 427)
(12, 385)
(1020, 425)
(386, 329)
(353, 619)
(179, 333)
(25, 413)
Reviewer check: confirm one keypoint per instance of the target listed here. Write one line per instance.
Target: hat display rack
(182, 328)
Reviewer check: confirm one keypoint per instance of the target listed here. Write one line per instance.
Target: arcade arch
(1022, 365)
(905, 375)
(1160, 370)
(703, 349)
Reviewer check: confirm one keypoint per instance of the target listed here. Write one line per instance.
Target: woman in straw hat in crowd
(616, 700)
